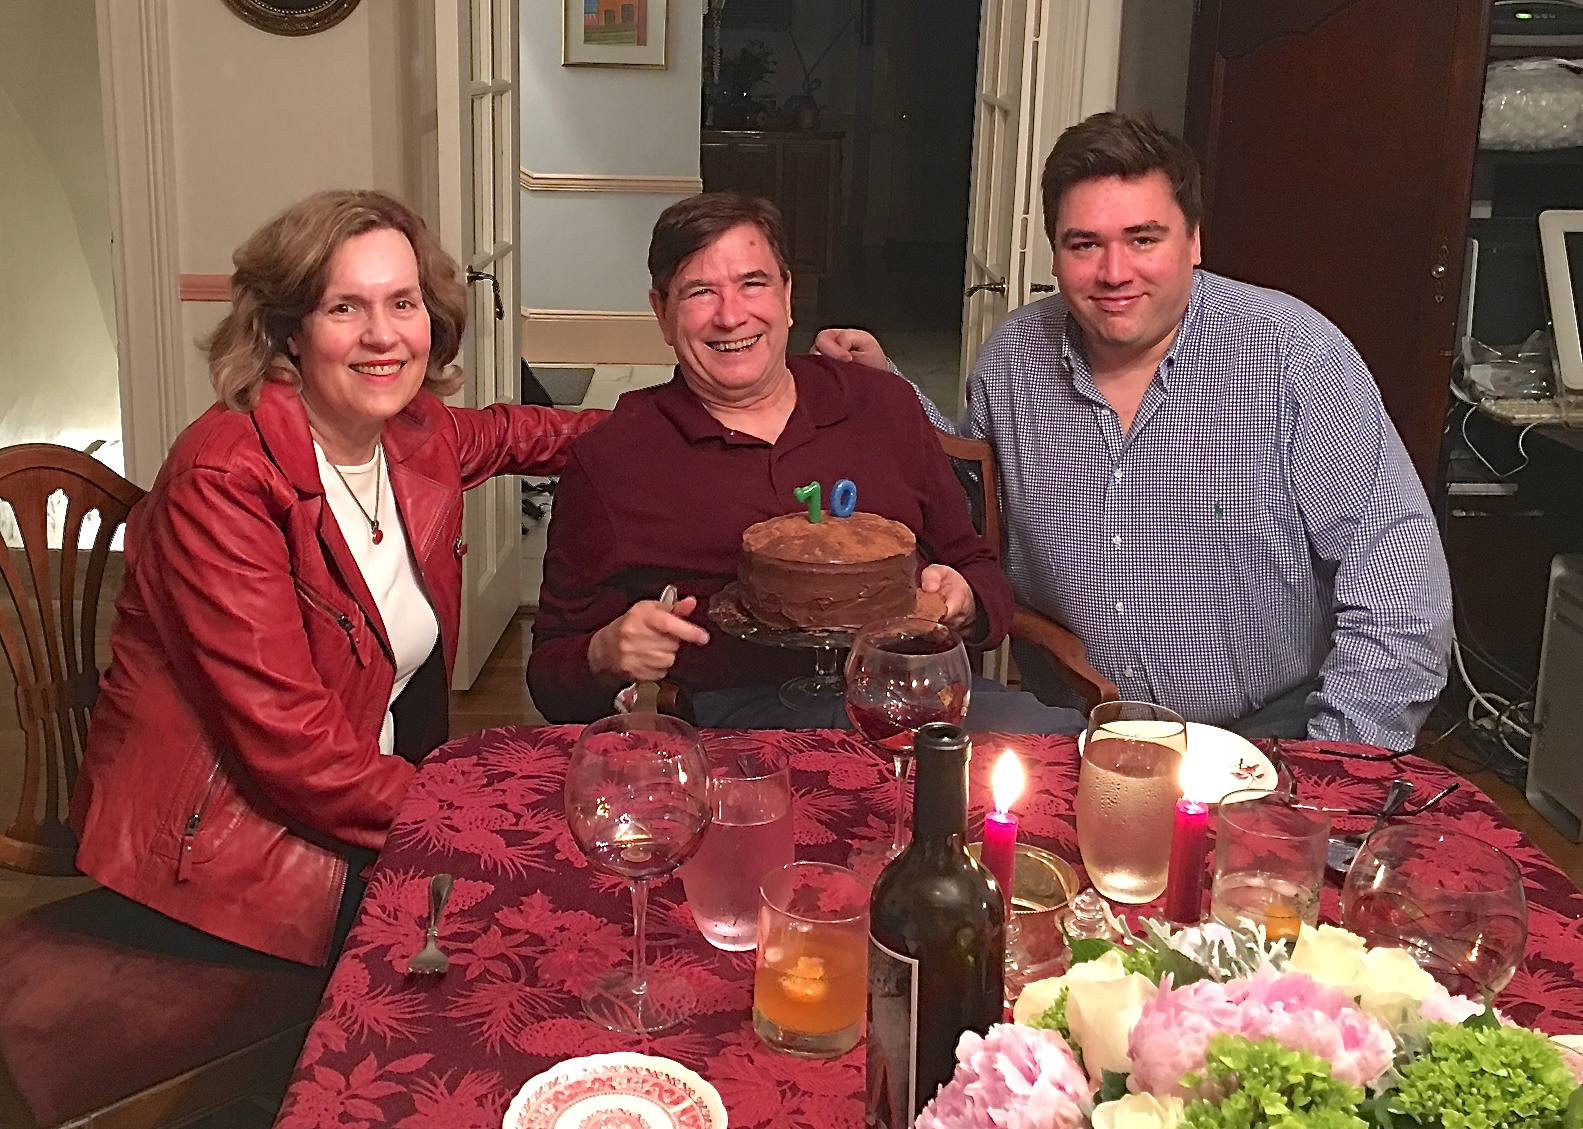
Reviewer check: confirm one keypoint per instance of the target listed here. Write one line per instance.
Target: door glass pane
(483, 174)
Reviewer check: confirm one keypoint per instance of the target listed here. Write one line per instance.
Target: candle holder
(1042, 884)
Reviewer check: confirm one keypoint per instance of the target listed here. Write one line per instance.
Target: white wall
(586, 250)
(57, 309)
(261, 121)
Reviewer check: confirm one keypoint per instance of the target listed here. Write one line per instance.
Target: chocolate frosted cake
(834, 575)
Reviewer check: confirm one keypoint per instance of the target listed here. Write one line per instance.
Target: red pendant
(377, 533)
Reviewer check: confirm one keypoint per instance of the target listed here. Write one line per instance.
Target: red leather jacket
(235, 743)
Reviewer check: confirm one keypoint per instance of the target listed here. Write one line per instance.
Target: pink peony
(1014, 1078)
(1170, 1037)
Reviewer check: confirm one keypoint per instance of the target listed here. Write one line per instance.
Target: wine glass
(637, 805)
(1127, 788)
(1454, 902)
(902, 674)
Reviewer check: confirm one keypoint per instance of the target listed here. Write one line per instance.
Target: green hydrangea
(1268, 1085)
(1485, 1078)
(1054, 1017)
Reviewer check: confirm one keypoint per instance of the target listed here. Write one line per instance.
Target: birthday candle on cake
(810, 495)
(843, 498)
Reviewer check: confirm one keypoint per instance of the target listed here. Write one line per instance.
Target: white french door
(1043, 65)
(477, 52)
(991, 199)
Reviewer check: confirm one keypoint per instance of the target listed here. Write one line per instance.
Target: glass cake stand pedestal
(827, 683)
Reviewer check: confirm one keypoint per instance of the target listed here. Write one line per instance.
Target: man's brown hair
(690, 225)
(281, 272)
(1124, 145)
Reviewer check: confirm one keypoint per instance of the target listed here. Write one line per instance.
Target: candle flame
(1007, 781)
(1206, 778)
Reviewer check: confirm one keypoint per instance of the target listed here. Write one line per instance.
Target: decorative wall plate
(292, 17)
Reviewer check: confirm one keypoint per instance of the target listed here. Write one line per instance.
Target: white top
(386, 567)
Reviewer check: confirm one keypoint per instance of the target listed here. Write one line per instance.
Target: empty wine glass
(637, 804)
(1454, 902)
(902, 674)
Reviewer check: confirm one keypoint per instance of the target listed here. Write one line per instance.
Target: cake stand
(827, 683)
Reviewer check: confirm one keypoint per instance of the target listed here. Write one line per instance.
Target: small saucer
(616, 1089)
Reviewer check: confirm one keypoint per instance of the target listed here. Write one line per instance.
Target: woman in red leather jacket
(288, 622)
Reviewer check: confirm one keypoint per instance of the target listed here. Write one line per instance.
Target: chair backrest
(48, 628)
(974, 463)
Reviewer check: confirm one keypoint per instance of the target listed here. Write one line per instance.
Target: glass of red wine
(637, 805)
(902, 674)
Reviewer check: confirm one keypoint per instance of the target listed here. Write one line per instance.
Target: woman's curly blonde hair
(281, 272)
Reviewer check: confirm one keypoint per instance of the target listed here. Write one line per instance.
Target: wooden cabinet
(800, 172)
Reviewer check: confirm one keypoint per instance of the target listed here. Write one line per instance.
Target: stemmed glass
(1454, 902)
(637, 805)
(902, 674)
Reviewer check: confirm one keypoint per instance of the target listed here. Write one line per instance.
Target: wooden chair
(111, 1015)
(974, 460)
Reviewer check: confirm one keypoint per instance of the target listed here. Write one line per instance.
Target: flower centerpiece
(1210, 1027)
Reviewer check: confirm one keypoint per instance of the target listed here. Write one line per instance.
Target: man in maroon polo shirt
(661, 491)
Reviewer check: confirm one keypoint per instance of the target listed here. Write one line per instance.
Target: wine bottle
(937, 940)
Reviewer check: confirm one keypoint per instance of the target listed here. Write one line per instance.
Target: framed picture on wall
(614, 33)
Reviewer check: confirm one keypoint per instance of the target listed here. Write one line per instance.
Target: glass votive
(1269, 863)
(1041, 886)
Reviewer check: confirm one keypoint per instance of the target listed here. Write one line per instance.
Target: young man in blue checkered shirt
(1198, 475)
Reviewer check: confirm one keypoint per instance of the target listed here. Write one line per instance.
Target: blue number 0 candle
(843, 498)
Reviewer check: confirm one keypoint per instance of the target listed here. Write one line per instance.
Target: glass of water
(1127, 788)
(750, 834)
(1269, 862)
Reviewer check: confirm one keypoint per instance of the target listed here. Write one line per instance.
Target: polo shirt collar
(821, 401)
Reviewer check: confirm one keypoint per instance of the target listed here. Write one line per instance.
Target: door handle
(1042, 287)
(997, 286)
(494, 286)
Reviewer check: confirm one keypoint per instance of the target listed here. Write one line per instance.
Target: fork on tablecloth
(429, 959)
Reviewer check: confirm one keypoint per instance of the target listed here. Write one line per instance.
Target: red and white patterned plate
(617, 1091)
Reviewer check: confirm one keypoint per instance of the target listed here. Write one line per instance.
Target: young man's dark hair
(1124, 145)
(690, 225)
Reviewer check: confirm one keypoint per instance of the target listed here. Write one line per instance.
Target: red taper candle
(1184, 888)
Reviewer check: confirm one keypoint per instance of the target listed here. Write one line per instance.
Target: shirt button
(1116, 540)
(1120, 606)
(1118, 474)
(1129, 673)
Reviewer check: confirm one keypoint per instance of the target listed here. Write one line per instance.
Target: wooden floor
(500, 697)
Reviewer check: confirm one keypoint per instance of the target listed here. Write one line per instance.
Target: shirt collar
(821, 401)
(1186, 335)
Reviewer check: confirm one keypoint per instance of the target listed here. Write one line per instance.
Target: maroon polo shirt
(661, 491)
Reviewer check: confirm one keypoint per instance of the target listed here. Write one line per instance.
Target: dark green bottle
(937, 939)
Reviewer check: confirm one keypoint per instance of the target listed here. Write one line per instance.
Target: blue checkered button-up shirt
(1260, 522)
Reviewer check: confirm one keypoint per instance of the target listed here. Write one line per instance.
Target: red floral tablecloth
(529, 924)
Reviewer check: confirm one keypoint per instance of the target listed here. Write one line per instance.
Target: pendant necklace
(375, 534)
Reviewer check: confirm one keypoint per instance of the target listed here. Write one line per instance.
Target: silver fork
(643, 697)
(429, 959)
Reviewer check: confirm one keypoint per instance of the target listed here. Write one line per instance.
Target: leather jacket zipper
(189, 836)
(324, 605)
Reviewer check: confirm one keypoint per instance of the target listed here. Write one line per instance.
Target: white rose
(1393, 972)
(1101, 1014)
(1139, 1111)
(1037, 997)
(1329, 955)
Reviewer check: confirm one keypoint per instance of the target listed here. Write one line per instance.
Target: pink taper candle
(1000, 826)
(1184, 888)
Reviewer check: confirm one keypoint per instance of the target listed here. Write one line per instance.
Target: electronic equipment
(1536, 23)
(1555, 784)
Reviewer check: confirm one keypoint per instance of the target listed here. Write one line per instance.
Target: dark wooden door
(1337, 138)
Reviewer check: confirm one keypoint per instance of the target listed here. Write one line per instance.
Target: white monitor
(1561, 249)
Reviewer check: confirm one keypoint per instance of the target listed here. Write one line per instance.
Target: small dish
(616, 1089)
(1213, 752)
